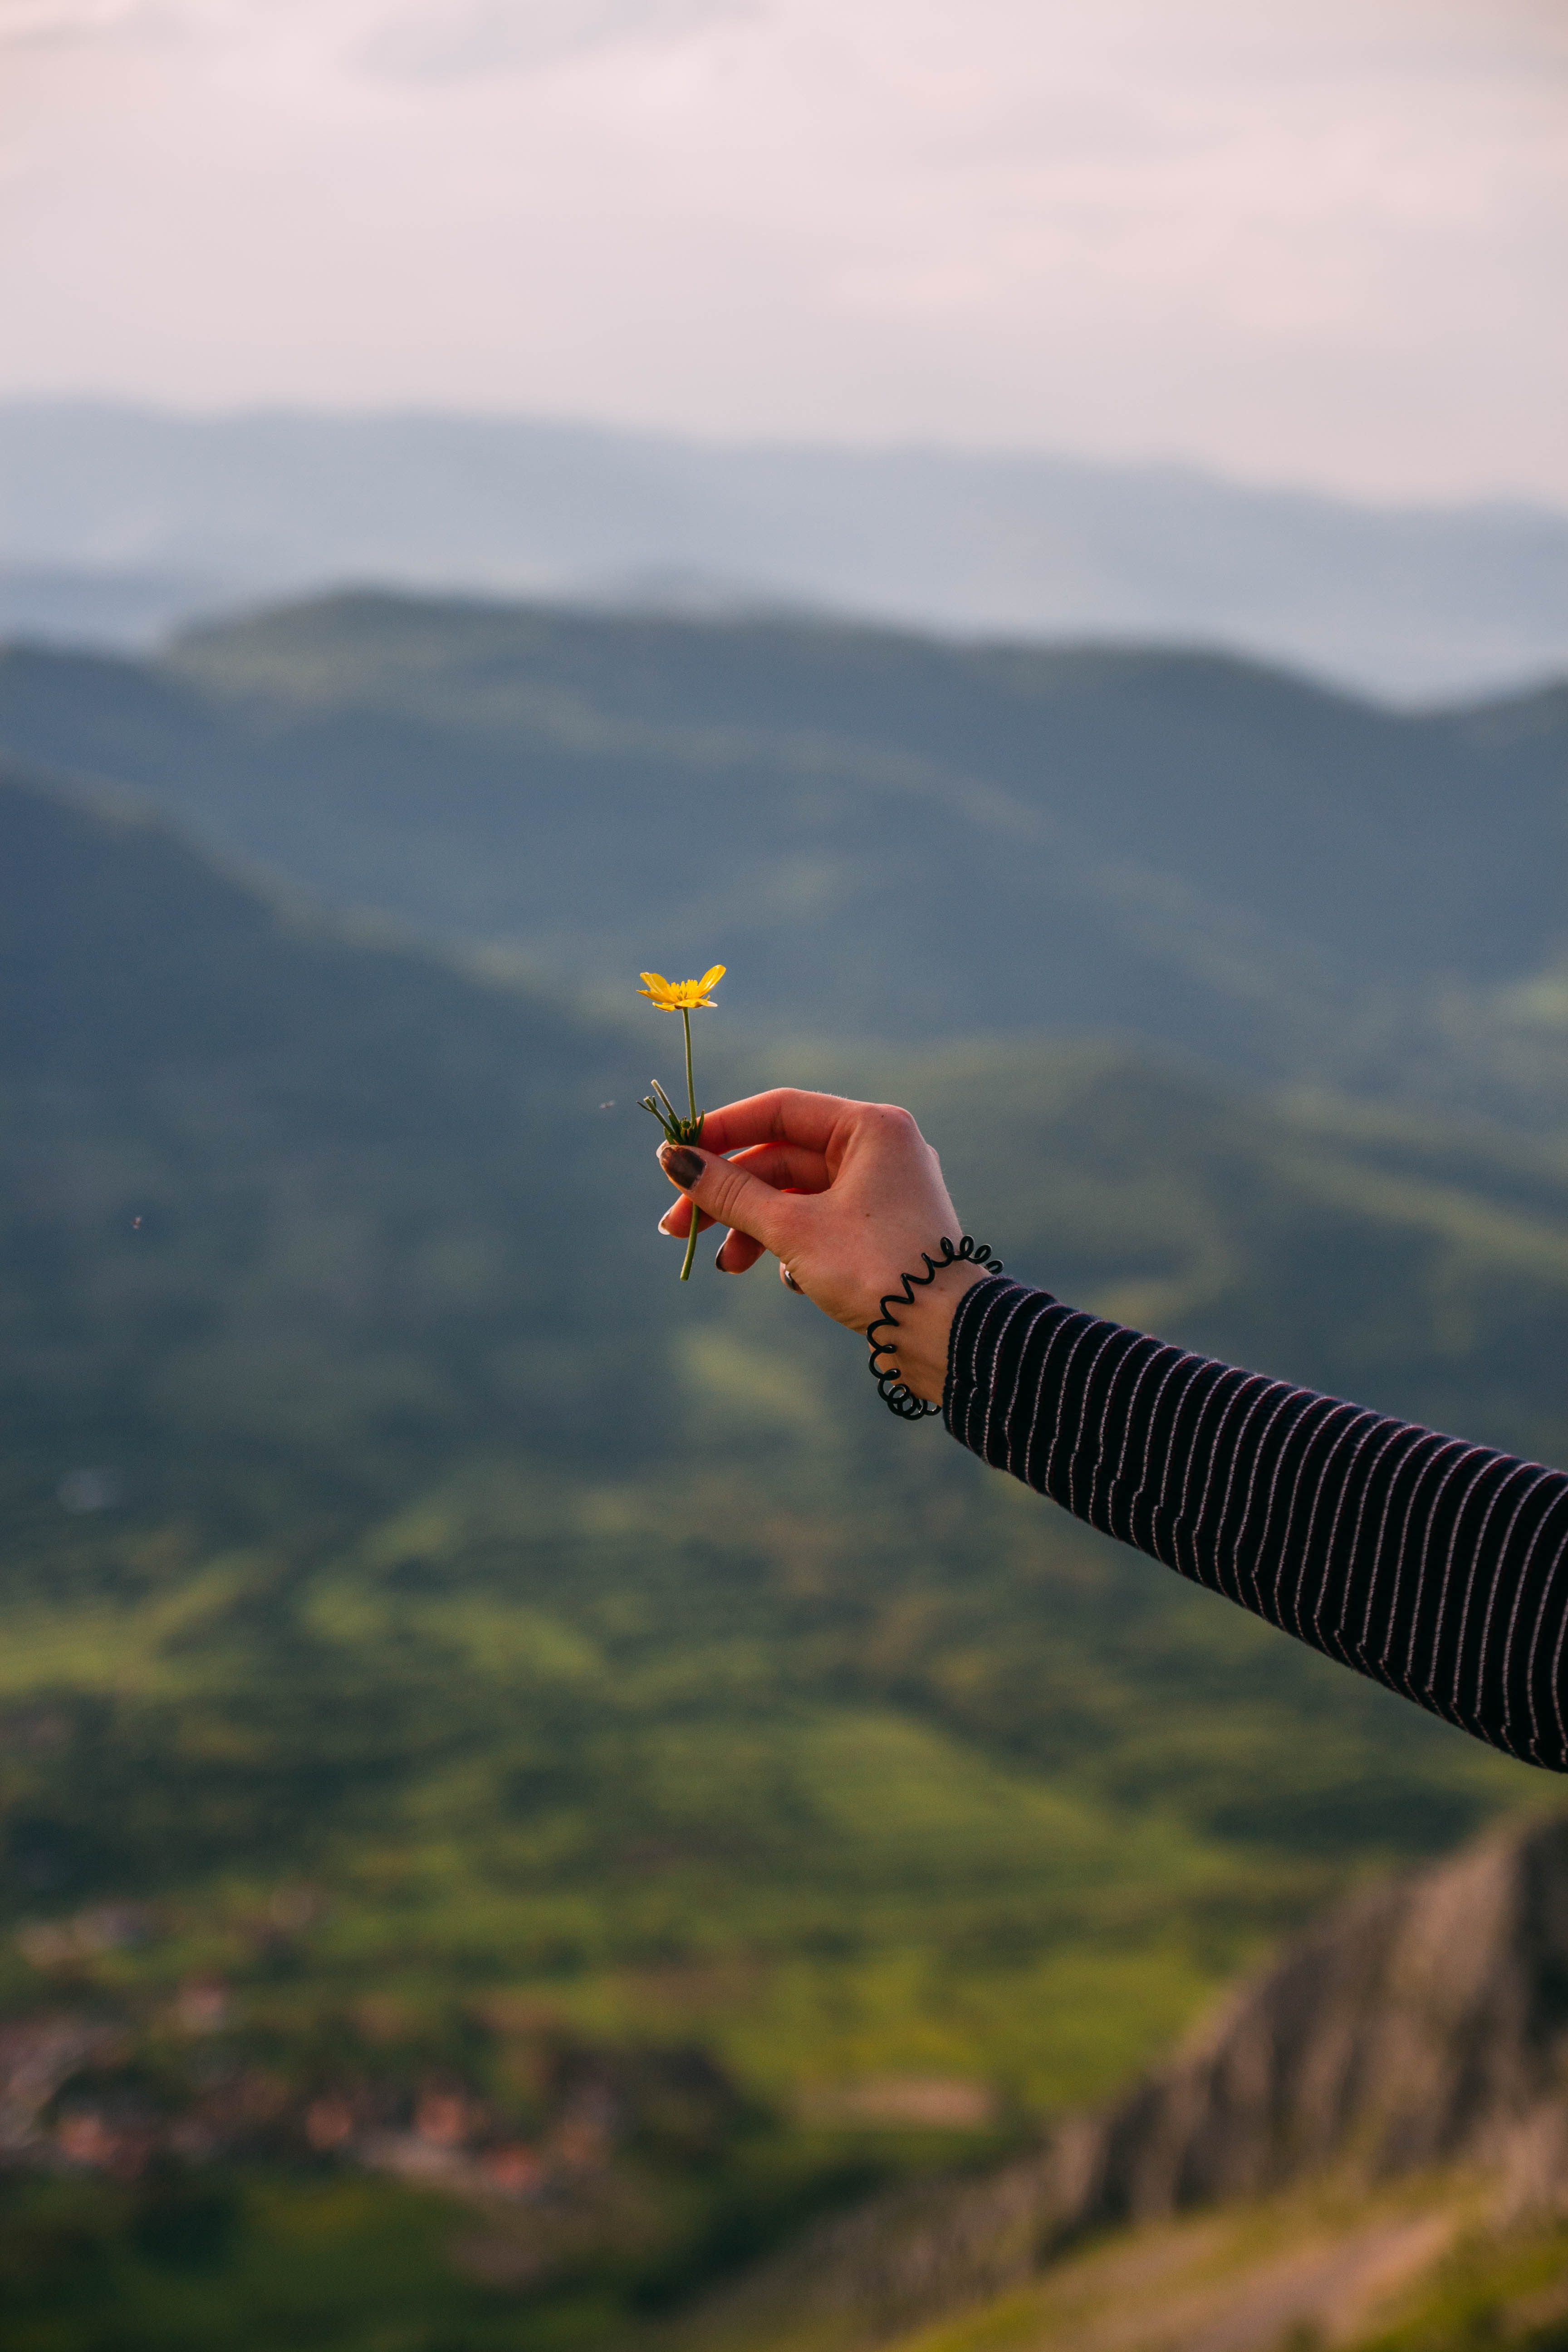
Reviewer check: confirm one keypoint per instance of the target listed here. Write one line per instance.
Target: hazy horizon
(121, 522)
(1322, 249)
(741, 441)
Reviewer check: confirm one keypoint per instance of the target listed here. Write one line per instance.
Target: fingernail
(680, 1164)
(719, 1256)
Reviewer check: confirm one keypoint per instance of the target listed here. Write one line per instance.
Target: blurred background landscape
(123, 521)
(533, 1815)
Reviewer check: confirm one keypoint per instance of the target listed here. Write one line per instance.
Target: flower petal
(711, 978)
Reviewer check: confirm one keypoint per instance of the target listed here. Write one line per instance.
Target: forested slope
(884, 836)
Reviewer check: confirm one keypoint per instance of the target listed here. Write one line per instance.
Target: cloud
(443, 43)
(59, 24)
(1321, 239)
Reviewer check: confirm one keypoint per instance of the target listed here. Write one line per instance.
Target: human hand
(847, 1195)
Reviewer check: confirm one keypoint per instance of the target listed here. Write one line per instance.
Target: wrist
(925, 1327)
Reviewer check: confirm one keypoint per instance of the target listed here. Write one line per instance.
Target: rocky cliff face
(1424, 2022)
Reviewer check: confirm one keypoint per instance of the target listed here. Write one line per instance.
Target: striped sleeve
(1439, 1568)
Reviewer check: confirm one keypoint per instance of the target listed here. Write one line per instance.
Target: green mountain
(443, 1659)
(882, 834)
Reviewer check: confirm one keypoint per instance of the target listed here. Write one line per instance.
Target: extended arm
(1439, 1568)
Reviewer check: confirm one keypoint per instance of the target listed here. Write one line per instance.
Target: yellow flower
(681, 995)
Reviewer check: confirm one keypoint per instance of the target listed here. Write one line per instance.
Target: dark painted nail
(681, 1164)
(719, 1256)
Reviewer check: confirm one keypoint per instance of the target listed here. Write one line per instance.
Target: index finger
(784, 1115)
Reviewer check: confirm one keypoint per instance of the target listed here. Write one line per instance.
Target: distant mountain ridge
(118, 522)
(882, 834)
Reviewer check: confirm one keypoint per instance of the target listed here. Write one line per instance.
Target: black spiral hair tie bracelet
(891, 1387)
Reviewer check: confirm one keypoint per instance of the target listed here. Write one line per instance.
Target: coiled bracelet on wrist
(892, 1388)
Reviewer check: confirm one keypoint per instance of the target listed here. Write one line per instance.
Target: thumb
(730, 1195)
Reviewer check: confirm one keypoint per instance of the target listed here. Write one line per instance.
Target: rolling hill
(477, 1667)
(884, 836)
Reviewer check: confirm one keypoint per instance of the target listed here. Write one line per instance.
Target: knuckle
(789, 1104)
(897, 1124)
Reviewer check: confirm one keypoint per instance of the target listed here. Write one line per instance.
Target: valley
(519, 1786)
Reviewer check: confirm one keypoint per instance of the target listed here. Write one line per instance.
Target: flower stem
(691, 1098)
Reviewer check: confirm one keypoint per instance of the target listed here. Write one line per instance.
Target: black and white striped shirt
(1436, 1567)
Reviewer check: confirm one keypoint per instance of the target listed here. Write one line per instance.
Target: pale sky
(1315, 241)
